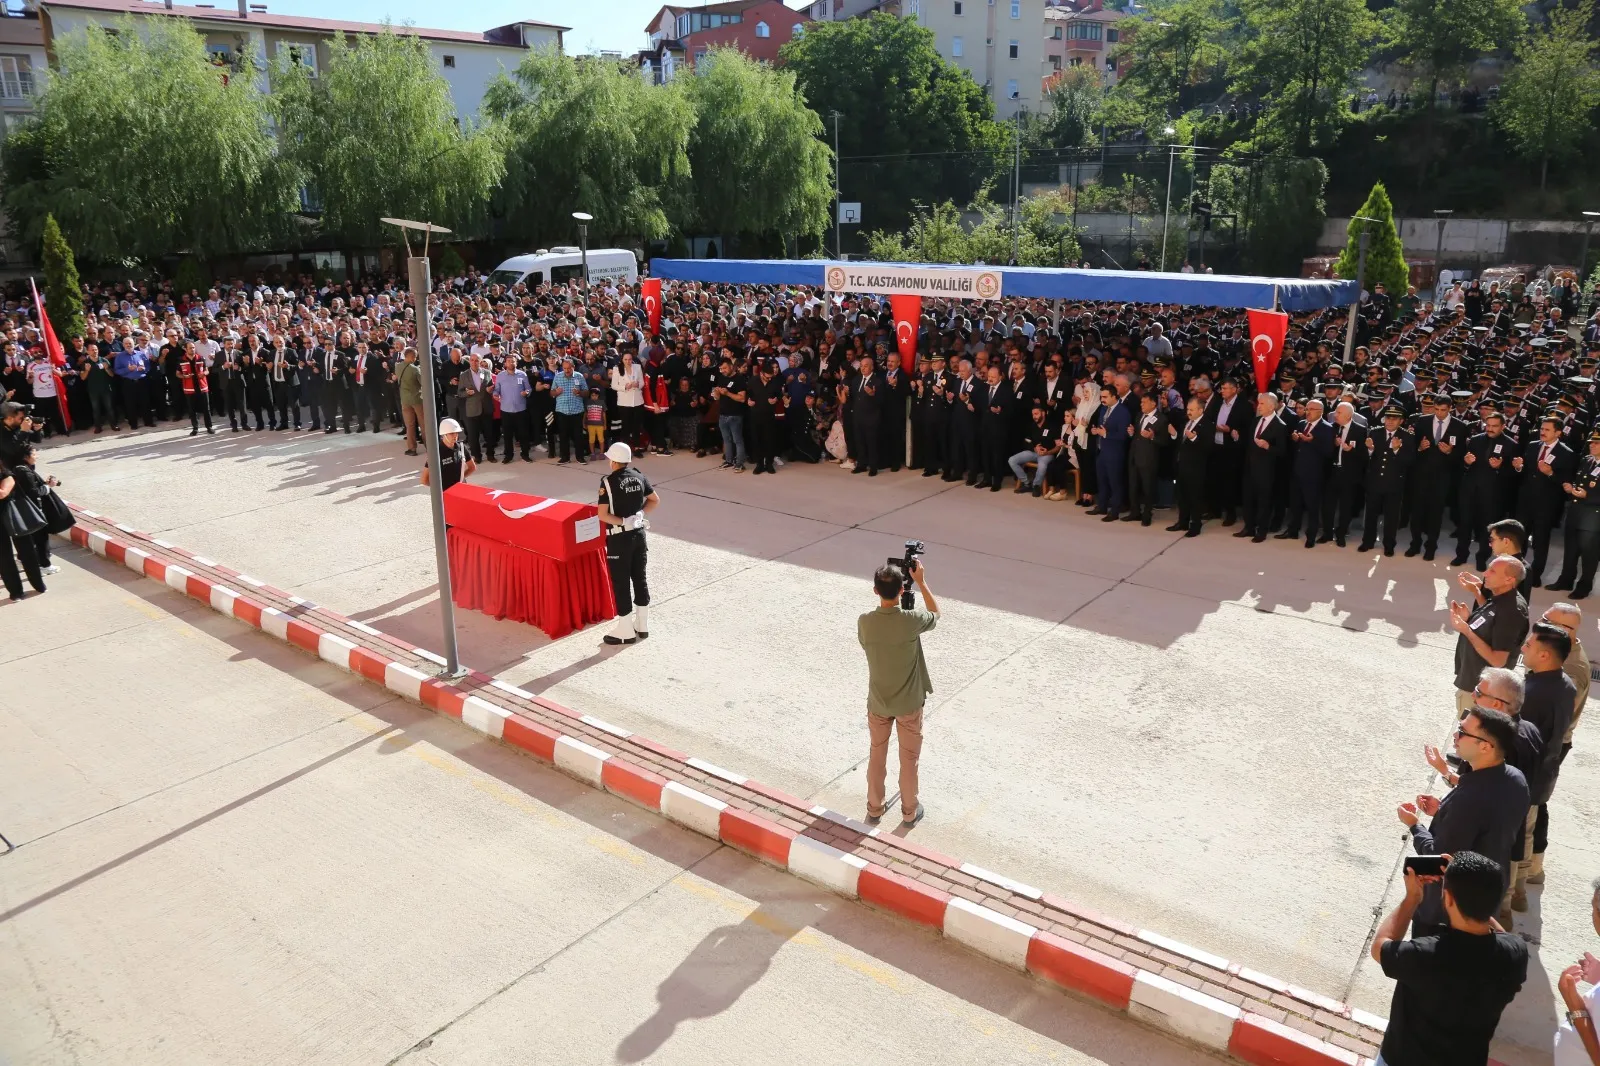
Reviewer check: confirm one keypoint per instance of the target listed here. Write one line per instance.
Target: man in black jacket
(1548, 702)
(1313, 455)
(1150, 438)
(1349, 473)
(995, 401)
(1440, 436)
(1544, 465)
(766, 408)
(1231, 415)
(864, 418)
(961, 455)
(1265, 447)
(1484, 487)
(1194, 446)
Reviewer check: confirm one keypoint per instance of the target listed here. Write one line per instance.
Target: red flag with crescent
(650, 294)
(56, 354)
(907, 317)
(1267, 331)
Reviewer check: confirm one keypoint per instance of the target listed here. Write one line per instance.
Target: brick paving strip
(1182, 990)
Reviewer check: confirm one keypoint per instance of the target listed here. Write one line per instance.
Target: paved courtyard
(1203, 737)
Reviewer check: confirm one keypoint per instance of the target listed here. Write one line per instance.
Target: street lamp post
(584, 218)
(1442, 214)
(421, 285)
(1016, 192)
(1583, 262)
(1166, 212)
(1361, 274)
(838, 222)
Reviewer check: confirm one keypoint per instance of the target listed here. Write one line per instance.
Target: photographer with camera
(897, 678)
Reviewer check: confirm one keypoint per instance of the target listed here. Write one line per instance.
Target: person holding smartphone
(1451, 985)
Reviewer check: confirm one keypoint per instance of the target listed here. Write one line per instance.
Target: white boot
(622, 632)
(641, 620)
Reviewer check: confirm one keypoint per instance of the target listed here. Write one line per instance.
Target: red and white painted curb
(1144, 994)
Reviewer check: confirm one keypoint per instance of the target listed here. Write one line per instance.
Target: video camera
(908, 595)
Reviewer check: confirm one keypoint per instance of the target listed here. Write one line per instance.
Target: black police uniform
(1582, 530)
(452, 462)
(624, 493)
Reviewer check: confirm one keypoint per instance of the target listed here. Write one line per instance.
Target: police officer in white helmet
(625, 496)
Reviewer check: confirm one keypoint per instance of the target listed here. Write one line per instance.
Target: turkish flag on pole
(1267, 331)
(907, 317)
(650, 293)
(53, 349)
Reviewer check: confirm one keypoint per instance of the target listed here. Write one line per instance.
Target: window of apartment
(1111, 36)
(1012, 49)
(1016, 9)
(1011, 89)
(304, 54)
(1111, 63)
(1055, 62)
(955, 47)
(450, 62)
(1084, 31)
(683, 26)
(796, 30)
(762, 30)
(16, 77)
(1055, 33)
(958, 7)
(913, 8)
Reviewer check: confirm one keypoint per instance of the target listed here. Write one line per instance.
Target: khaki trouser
(1464, 702)
(411, 414)
(909, 726)
(1522, 861)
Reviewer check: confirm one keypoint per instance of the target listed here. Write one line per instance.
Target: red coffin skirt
(507, 582)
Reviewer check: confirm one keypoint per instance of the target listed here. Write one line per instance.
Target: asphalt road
(1204, 737)
(228, 852)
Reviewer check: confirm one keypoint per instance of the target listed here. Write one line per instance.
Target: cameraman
(897, 686)
(17, 431)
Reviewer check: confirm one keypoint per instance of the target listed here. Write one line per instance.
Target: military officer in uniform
(625, 496)
(1485, 485)
(1582, 525)
(1439, 438)
(936, 386)
(1390, 452)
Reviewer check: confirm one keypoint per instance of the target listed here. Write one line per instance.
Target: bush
(63, 292)
(190, 277)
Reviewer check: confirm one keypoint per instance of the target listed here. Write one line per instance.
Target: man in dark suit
(1111, 466)
(892, 406)
(963, 461)
(933, 413)
(1545, 465)
(1348, 474)
(1267, 441)
(1312, 456)
(1194, 445)
(1149, 440)
(1485, 487)
(1440, 438)
(864, 417)
(1230, 415)
(995, 400)
(1391, 449)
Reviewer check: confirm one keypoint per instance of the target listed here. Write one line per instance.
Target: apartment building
(469, 61)
(1081, 33)
(681, 36)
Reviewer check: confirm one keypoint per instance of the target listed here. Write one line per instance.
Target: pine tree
(63, 293)
(1386, 258)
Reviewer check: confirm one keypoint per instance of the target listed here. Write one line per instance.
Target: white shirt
(1569, 1046)
(42, 377)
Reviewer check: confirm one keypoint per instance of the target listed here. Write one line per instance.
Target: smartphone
(1427, 865)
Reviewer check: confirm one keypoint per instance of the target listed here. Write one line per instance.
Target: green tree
(1166, 53)
(140, 147)
(1300, 56)
(1550, 93)
(587, 135)
(376, 134)
(756, 163)
(1071, 106)
(1279, 208)
(63, 292)
(1386, 258)
(937, 235)
(925, 128)
(1437, 38)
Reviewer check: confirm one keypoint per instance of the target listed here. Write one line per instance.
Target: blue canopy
(1047, 283)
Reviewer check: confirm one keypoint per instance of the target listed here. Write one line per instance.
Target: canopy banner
(883, 279)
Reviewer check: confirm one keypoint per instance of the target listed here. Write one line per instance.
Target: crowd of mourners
(1465, 420)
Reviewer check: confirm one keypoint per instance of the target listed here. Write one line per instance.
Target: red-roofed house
(680, 36)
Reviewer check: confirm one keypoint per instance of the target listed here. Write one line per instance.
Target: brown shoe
(911, 820)
(1519, 900)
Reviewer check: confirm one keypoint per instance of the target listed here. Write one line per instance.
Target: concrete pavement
(227, 852)
(1123, 714)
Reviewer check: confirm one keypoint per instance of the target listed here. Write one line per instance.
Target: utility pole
(838, 227)
(584, 218)
(1361, 277)
(1583, 261)
(1016, 192)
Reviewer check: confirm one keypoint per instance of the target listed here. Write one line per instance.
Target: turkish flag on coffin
(650, 295)
(1267, 330)
(907, 317)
